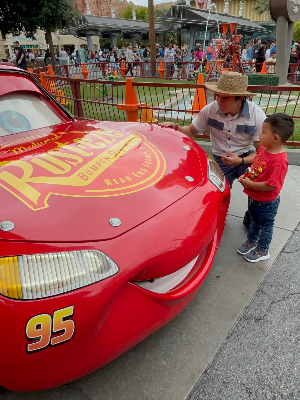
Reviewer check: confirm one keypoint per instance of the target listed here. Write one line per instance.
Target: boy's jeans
(262, 215)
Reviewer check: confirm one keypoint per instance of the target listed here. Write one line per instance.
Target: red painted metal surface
(167, 222)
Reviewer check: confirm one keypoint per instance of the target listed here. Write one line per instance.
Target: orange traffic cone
(224, 69)
(207, 66)
(30, 70)
(147, 114)
(50, 70)
(62, 100)
(123, 69)
(264, 68)
(131, 105)
(76, 77)
(161, 70)
(199, 98)
(84, 71)
(44, 81)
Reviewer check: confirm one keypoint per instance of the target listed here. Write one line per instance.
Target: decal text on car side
(84, 166)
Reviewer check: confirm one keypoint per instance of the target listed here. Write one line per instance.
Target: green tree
(140, 11)
(27, 16)
(169, 36)
(297, 31)
(262, 6)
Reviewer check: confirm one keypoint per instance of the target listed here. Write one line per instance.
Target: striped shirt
(235, 134)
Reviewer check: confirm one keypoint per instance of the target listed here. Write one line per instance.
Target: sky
(145, 2)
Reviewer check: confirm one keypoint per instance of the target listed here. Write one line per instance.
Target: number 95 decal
(44, 330)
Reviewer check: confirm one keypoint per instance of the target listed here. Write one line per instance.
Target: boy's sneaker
(257, 254)
(246, 247)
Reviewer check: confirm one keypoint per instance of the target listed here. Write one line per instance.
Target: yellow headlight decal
(10, 285)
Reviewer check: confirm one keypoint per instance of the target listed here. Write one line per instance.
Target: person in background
(129, 59)
(136, 58)
(77, 58)
(31, 56)
(271, 68)
(293, 68)
(273, 48)
(169, 59)
(211, 53)
(92, 55)
(62, 53)
(260, 56)
(20, 55)
(196, 48)
(250, 51)
(157, 54)
(199, 57)
(178, 63)
(47, 57)
(244, 53)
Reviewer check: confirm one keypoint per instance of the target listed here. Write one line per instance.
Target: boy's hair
(282, 125)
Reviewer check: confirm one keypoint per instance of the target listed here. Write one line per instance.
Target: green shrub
(263, 79)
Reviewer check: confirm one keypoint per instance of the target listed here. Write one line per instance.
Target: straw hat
(230, 83)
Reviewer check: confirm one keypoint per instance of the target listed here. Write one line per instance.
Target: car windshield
(24, 111)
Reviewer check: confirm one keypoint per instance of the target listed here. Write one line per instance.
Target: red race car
(107, 230)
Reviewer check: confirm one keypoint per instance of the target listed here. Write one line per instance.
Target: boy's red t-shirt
(269, 168)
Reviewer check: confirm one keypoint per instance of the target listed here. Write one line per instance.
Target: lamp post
(152, 38)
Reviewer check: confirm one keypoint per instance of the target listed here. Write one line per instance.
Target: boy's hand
(246, 182)
(231, 159)
(241, 178)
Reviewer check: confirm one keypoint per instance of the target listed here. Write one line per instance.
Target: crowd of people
(256, 53)
(253, 55)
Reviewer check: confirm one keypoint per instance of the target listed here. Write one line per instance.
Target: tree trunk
(50, 42)
(2, 51)
(152, 38)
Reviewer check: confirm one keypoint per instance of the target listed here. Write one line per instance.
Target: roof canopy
(187, 16)
(93, 25)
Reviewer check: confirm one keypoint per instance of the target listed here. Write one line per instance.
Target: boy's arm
(262, 186)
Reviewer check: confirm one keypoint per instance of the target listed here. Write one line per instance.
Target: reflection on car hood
(65, 183)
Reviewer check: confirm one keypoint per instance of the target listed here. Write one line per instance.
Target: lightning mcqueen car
(107, 230)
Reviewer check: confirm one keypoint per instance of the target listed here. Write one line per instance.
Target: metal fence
(159, 102)
(185, 71)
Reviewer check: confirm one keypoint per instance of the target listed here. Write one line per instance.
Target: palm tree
(262, 6)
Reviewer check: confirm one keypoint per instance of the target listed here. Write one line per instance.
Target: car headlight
(43, 275)
(215, 174)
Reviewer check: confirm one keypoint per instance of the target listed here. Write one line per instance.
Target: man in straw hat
(235, 124)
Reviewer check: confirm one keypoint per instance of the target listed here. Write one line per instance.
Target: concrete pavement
(168, 364)
(259, 358)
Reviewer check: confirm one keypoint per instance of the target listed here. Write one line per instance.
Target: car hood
(76, 181)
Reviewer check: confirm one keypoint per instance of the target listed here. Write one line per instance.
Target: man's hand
(230, 159)
(168, 125)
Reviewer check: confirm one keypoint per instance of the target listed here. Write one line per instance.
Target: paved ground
(168, 364)
(259, 358)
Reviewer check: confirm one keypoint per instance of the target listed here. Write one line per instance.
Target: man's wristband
(176, 126)
(243, 161)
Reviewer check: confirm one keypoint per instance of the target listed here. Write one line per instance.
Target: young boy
(263, 183)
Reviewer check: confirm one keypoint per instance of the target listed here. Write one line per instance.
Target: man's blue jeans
(262, 214)
(232, 172)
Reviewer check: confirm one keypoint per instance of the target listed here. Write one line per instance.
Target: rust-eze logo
(100, 163)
